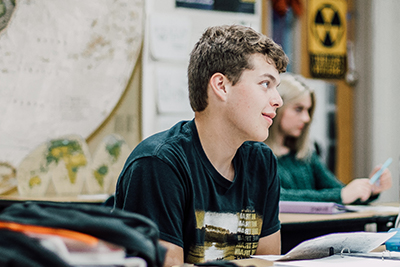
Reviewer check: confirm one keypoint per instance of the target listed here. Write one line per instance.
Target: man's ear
(218, 84)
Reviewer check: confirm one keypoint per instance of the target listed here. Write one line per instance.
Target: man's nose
(276, 100)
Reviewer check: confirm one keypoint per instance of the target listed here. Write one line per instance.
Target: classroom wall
(164, 94)
(377, 95)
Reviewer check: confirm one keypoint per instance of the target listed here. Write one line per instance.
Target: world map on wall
(64, 66)
(64, 166)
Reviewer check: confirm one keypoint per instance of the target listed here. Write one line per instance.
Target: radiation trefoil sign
(327, 38)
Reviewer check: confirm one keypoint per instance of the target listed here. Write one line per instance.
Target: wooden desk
(253, 262)
(300, 227)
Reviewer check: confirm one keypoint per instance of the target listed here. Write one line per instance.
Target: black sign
(241, 6)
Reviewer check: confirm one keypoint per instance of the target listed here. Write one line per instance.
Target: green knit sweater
(309, 180)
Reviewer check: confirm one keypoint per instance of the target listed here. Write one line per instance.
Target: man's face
(253, 101)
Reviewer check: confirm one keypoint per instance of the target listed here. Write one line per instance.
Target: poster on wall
(240, 6)
(327, 38)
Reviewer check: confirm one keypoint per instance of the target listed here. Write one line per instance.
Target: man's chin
(262, 138)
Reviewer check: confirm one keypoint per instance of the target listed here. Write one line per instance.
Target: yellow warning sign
(327, 37)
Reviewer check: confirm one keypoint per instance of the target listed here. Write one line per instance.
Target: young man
(210, 184)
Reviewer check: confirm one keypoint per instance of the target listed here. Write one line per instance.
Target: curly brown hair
(227, 49)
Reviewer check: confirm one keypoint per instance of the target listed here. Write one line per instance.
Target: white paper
(320, 247)
(172, 89)
(337, 260)
(169, 37)
(355, 242)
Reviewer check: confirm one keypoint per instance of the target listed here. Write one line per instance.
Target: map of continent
(70, 152)
(106, 165)
(63, 162)
(113, 150)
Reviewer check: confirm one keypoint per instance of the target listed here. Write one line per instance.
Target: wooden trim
(344, 106)
(264, 17)
(344, 131)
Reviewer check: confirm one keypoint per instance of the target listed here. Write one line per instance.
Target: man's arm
(144, 190)
(270, 245)
(174, 254)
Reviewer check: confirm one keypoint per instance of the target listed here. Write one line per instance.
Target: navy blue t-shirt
(169, 179)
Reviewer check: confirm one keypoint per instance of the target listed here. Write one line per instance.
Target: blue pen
(378, 174)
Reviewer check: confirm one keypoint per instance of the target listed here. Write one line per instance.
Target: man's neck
(219, 148)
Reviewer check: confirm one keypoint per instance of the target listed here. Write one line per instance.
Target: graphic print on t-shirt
(225, 236)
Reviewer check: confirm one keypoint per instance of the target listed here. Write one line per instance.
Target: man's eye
(265, 84)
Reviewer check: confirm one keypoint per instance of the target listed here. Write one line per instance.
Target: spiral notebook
(338, 249)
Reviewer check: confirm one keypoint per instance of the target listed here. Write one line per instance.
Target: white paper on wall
(172, 89)
(170, 37)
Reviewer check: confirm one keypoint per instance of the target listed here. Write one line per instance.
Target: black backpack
(136, 233)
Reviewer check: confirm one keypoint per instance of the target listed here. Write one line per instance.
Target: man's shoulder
(252, 147)
(256, 154)
(175, 138)
(258, 162)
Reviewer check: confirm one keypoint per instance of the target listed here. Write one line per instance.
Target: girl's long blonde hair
(292, 87)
